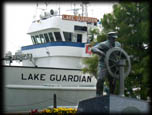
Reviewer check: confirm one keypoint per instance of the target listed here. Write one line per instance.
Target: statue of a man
(101, 50)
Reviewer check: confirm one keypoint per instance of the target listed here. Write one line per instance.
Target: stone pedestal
(113, 104)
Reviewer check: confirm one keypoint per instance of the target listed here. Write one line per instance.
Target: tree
(131, 21)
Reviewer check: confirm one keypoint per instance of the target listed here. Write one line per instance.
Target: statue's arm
(96, 50)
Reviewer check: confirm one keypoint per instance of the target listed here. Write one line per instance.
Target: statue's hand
(97, 51)
(102, 53)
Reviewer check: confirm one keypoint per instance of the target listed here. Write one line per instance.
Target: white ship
(51, 65)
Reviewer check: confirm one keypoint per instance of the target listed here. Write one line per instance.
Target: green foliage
(91, 65)
(131, 21)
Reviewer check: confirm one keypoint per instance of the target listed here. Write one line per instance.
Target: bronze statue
(101, 50)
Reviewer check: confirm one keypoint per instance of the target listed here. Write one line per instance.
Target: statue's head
(112, 35)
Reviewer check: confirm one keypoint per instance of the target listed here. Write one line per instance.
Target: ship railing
(38, 20)
(64, 85)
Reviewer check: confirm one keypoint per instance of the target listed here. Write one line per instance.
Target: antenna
(59, 9)
(46, 4)
(37, 5)
(84, 8)
(75, 10)
(35, 14)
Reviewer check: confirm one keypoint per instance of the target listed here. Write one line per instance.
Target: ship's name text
(56, 77)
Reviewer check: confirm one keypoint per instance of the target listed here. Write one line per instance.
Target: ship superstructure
(59, 41)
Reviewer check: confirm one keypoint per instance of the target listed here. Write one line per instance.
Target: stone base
(113, 104)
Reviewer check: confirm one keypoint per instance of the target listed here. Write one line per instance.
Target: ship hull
(27, 88)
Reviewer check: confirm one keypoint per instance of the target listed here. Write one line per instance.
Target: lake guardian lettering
(33, 77)
(56, 77)
(70, 78)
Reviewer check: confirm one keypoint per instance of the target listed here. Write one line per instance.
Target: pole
(121, 77)
(54, 101)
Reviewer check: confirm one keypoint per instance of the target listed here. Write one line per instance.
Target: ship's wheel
(112, 61)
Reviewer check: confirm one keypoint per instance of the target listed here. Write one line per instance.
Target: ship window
(80, 28)
(33, 39)
(58, 36)
(42, 38)
(51, 36)
(38, 39)
(46, 37)
(67, 36)
(79, 37)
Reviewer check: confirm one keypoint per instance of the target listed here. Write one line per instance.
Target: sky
(19, 16)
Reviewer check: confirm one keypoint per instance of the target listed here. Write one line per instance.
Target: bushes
(58, 111)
